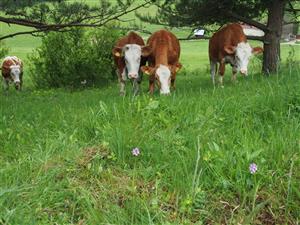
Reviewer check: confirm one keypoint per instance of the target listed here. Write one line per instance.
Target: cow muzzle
(244, 72)
(132, 75)
(17, 85)
(165, 92)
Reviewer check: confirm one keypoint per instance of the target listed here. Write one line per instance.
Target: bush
(3, 50)
(74, 59)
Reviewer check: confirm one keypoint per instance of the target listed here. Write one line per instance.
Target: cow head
(242, 53)
(132, 57)
(162, 75)
(15, 72)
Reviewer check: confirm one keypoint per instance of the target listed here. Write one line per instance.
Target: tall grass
(66, 156)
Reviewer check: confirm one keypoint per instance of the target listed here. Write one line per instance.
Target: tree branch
(194, 38)
(22, 22)
(293, 22)
(292, 9)
(20, 33)
(141, 30)
(248, 21)
(255, 38)
(42, 27)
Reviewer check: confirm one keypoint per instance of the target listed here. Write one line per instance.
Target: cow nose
(17, 85)
(244, 72)
(165, 92)
(132, 75)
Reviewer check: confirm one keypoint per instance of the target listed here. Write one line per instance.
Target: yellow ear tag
(117, 54)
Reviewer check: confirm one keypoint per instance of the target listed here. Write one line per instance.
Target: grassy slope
(66, 156)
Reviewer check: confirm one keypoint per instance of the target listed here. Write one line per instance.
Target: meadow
(66, 155)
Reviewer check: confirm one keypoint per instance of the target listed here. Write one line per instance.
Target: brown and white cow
(128, 58)
(12, 71)
(229, 45)
(163, 51)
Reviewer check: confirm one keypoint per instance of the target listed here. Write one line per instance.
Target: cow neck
(161, 57)
(238, 41)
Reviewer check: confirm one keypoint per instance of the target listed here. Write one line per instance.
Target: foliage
(73, 59)
(183, 13)
(58, 11)
(3, 49)
(41, 11)
(61, 15)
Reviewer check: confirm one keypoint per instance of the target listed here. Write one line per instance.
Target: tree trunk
(272, 36)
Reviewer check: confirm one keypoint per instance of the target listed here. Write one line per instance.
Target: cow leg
(122, 80)
(221, 73)
(5, 84)
(213, 67)
(122, 87)
(151, 86)
(173, 78)
(136, 87)
(21, 81)
(173, 84)
(137, 84)
(234, 72)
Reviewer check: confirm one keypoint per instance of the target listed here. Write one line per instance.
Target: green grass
(65, 157)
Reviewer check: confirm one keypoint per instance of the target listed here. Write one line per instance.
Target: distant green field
(66, 156)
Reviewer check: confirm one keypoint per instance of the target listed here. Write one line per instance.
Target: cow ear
(117, 51)
(257, 50)
(229, 49)
(175, 68)
(178, 66)
(146, 51)
(146, 69)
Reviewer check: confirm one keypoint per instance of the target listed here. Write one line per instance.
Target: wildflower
(253, 168)
(135, 151)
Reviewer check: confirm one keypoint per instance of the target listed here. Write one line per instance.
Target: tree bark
(271, 57)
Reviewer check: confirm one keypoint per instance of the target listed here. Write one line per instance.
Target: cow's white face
(15, 72)
(243, 53)
(132, 57)
(163, 75)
